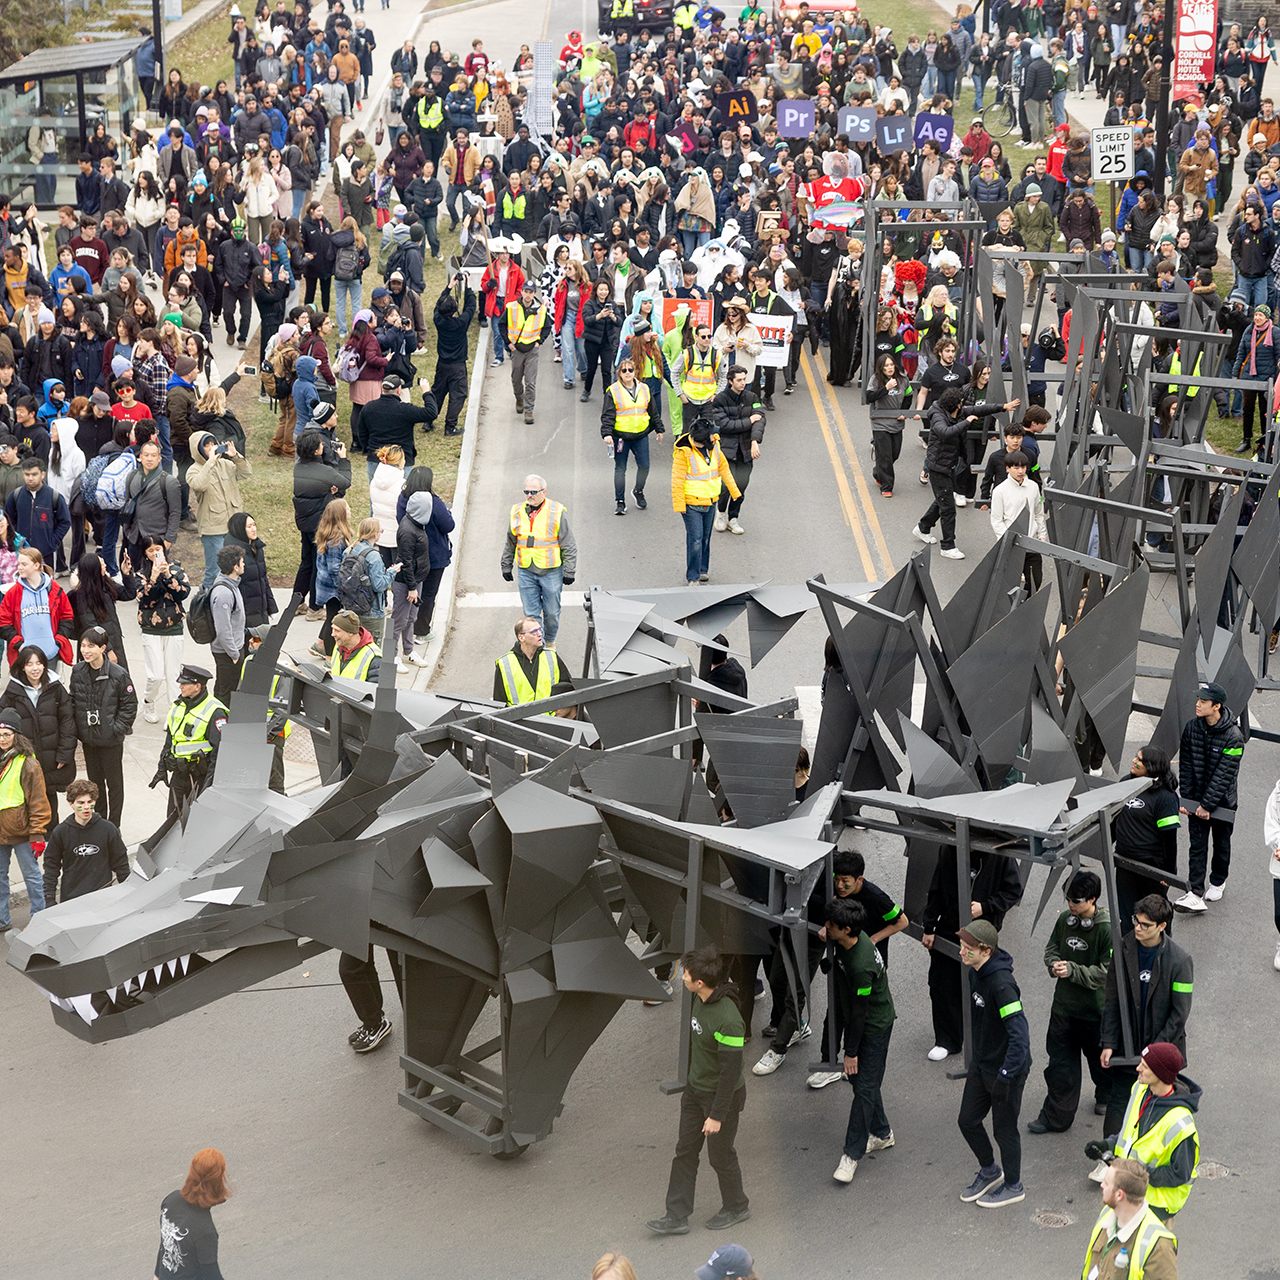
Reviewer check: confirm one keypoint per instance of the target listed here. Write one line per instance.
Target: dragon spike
(1055, 874)
(262, 666)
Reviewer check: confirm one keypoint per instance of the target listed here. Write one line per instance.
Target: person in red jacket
(501, 284)
(35, 610)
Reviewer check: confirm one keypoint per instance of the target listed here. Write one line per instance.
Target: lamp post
(1162, 104)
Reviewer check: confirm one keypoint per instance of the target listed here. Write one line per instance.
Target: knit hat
(200, 180)
(11, 719)
(174, 317)
(1165, 1060)
(347, 621)
(1033, 189)
(981, 933)
(184, 366)
(322, 412)
(45, 316)
(363, 314)
(1263, 310)
(1167, 239)
(1074, 245)
(286, 332)
(120, 366)
(1108, 235)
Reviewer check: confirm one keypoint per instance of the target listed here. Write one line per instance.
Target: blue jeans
(638, 448)
(111, 542)
(697, 540)
(572, 350)
(499, 346)
(979, 83)
(166, 448)
(1059, 107)
(31, 873)
(212, 544)
(299, 199)
(930, 85)
(350, 292)
(692, 240)
(540, 598)
(866, 1115)
(1255, 290)
(947, 82)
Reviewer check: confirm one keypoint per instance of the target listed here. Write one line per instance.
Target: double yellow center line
(859, 513)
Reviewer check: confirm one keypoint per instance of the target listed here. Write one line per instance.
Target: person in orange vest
(540, 555)
(698, 470)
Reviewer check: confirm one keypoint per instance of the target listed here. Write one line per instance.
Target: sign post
(1111, 159)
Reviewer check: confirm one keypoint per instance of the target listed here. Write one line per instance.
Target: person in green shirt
(1077, 955)
(714, 1094)
(867, 1016)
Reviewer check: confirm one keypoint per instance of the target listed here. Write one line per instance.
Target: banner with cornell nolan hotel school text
(1194, 47)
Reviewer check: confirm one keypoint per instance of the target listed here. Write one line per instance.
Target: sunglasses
(532, 492)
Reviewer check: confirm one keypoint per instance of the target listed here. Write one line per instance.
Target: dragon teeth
(111, 994)
(173, 968)
(186, 960)
(83, 1005)
(157, 971)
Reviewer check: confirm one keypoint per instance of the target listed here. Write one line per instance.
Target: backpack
(355, 586)
(89, 479)
(349, 366)
(200, 624)
(396, 262)
(111, 491)
(346, 266)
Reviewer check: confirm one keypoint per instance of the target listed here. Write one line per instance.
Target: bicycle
(1001, 118)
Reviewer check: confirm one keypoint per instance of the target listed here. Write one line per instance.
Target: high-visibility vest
(537, 536)
(1150, 1229)
(188, 726)
(524, 327)
(685, 15)
(357, 666)
(701, 375)
(1156, 1146)
(516, 683)
(702, 478)
(513, 208)
(275, 684)
(927, 314)
(12, 795)
(623, 9)
(433, 116)
(632, 406)
(1175, 368)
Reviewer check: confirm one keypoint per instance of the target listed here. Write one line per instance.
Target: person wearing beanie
(1034, 221)
(1159, 979)
(1255, 360)
(1128, 1238)
(998, 1069)
(22, 824)
(1077, 956)
(355, 654)
(1158, 1129)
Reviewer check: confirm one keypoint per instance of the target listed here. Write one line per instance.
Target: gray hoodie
(228, 617)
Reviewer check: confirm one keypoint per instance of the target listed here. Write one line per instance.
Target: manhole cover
(1052, 1218)
(1212, 1169)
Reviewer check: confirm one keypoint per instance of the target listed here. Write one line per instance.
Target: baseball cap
(728, 1260)
(1212, 692)
(981, 932)
(399, 211)
(392, 382)
(380, 292)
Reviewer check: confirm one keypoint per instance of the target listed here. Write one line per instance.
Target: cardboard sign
(738, 107)
(775, 332)
(893, 133)
(700, 307)
(936, 129)
(858, 124)
(796, 118)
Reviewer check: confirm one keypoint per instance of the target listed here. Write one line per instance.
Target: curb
(443, 619)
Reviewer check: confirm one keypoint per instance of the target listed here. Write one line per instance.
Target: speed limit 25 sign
(1111, 156)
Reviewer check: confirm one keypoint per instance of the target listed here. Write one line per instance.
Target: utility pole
(157, 35)
(1162, 105)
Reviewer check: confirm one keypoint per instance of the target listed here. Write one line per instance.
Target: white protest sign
(774, 333)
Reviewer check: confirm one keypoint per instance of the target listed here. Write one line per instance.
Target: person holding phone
(452, 323)
(601, 328)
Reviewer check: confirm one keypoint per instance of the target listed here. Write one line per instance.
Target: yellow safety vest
(516, 683)
(524, 327)
(684, 16)
(12, 795)
(702, 481)
(1176, 369)
(188, 726)
(632, 406)
(537, 536)
(623, 8)
(275, 684)
(927, 314)
(357, 666)
(513, 208)
(433, 117)
(1156, 1146)
(1150, 1229)
(699, 379)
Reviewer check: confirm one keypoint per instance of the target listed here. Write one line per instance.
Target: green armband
(1015, 1007)
(1184, 987)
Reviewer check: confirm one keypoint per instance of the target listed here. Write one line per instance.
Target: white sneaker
(845, 1169)
(721, 522)
(820, 1079)
(802, 1032)
(1276, 965)
(419, 659)
(1095, 1174)
(880, 1144)
(150, 714)
(951, 553)
(961, 500)
(735, 526)
(402, 667)
(1189, 902)
(1213, 893)
(922, 537)
(938, 1053)
(768, 1064)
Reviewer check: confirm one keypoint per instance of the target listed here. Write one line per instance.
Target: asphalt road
(334, 1180)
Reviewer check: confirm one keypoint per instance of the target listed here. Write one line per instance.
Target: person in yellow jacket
(525, 326)
(528, 671)
(631, 411)
(1129, 1241)
(698, 470)
(540, 555)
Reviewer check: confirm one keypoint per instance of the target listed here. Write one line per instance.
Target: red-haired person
(188, 1238)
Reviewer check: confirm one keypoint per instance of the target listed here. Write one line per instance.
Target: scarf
(1253, 346)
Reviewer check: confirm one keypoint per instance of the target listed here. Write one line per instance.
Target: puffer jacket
(413, 549)
(255, 588)
(732, 414)
(105, 704)
(50, 725)
(305, 394)
(215, 482)
(1209, 763)
(31, 820)
(313, 485)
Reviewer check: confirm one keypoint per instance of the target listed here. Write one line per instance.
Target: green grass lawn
(203, 54)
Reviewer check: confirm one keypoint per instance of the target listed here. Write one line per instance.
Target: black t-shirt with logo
(188, 1242)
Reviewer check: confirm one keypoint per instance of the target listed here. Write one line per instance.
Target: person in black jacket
(451, 350)
(315, 485)
(84, 851)
(48, 720)
(105, 708)
(1210, 754)
(999, 1067)
(390, 420)
(996, 890)
(255, 590)
(739, 418)
(234, 264)
(1146, 831)
(317, 243)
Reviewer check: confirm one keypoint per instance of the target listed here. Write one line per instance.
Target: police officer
(527, 671)
(191, 739)
(629, 414)
(525, 326)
